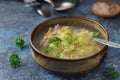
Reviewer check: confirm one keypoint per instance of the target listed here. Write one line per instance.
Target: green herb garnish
(111, 73)
(67, 33)
(69, 41)
(75, 39)
(76, 2)
(58, 54)
(55, 40)
(95, 34)
(14, 60)
(47, 51)
(19, 42)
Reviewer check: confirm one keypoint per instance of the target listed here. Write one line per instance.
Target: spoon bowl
(41, 10)
(60, 6)
(64, 6)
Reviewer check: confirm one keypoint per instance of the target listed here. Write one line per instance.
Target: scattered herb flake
(55, 40)
(96, 34)
(47, 51)
(111, 73)
(14, 60)
(58, 54)
(69, 41)
(75, 39)
(67, 33)
(19, 42)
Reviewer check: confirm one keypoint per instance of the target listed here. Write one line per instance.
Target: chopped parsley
(55, 40)
(96, 34)
(14, 60)
(75, 39)
(47, 51)
(19, 42)
(67, 33)
(58, 54)
(69, 41)
(111, 73)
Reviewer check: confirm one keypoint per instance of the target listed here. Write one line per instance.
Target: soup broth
(70, 42)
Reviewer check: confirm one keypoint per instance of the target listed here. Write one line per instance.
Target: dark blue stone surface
(16, 20)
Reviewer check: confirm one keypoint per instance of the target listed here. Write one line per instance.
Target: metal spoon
(60, 6)
(109, 43)
(42, 10)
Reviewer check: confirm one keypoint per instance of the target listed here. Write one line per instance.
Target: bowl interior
(41, 29)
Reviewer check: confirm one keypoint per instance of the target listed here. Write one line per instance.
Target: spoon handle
(109, 43)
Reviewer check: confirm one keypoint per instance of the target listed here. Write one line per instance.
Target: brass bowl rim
(61, 59)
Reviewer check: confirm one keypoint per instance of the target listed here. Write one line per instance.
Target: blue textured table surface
(16, 20)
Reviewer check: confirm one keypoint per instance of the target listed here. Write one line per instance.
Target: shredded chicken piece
(47, 35)
(56, 29)
(51, 31)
